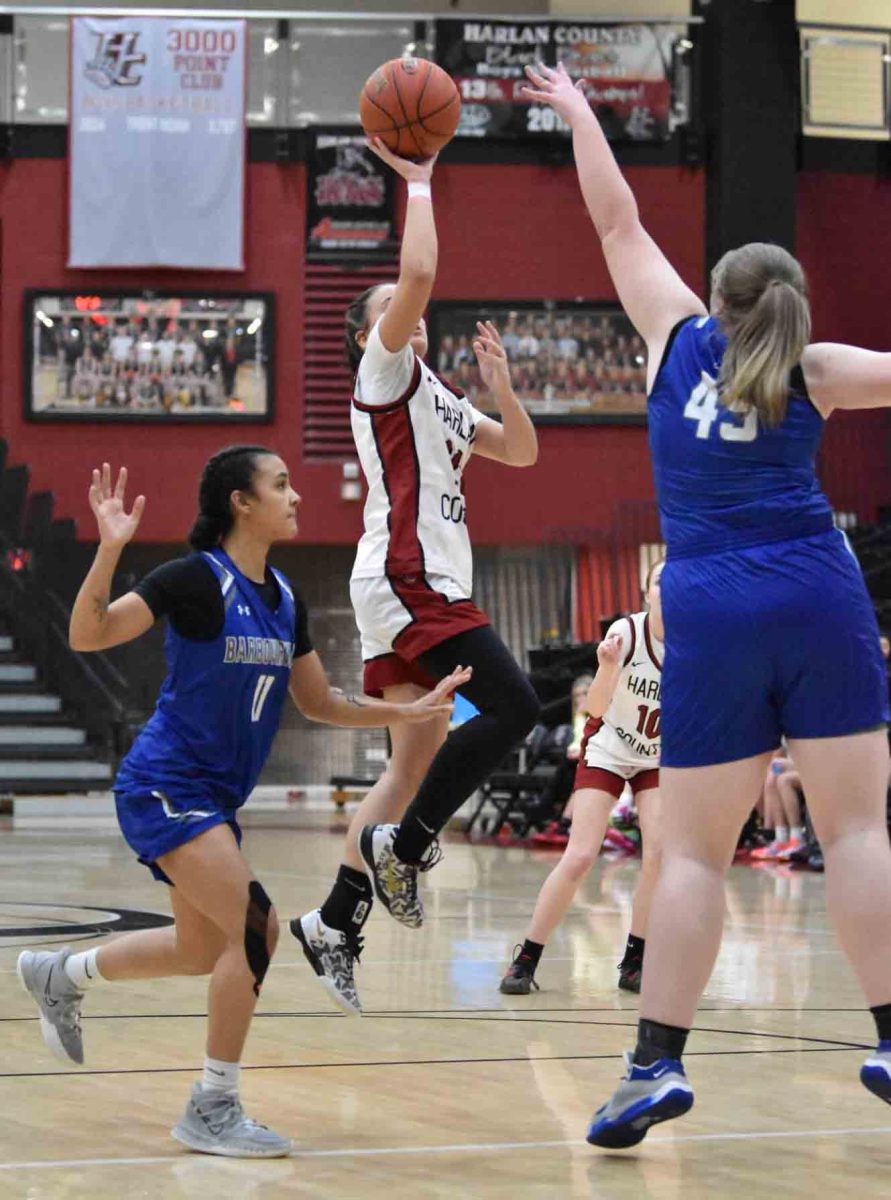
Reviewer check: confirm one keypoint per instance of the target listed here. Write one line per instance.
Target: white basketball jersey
(413, 447)
(629, 732)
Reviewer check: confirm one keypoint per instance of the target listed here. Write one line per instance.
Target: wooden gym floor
(445, 1088)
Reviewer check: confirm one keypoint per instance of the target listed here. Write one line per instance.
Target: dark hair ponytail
(230, 470)
(356, 320)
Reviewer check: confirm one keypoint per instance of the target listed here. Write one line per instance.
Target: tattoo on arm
(357, 701)
(100, 608)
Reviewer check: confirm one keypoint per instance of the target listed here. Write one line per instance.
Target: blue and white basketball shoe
(646, 1096)
(875, 1074)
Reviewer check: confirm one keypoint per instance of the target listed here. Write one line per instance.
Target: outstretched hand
(491, 356)
(440, 701)
(116, 525)
(411, 172)
(553, 86)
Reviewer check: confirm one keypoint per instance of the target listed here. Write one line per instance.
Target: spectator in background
(70, 347)
(121, 344)
(782, 810)
(229, 358)
(556, 832)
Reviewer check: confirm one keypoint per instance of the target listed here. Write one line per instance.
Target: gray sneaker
(331, 954)
(42, 975)
(395, 882)
(214, 1123)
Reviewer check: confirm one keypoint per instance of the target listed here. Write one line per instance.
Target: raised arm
(95, 623)
(513, 440)
(839, 376)
(650, 290)
(418, 256)
(313, 694)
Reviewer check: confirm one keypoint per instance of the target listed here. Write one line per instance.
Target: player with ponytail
(237, 643)
(769, 629)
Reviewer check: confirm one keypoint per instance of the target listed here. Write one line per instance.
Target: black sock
(531, 951)
(508, 709)
(634, 949)
(349, 901)
(882, 1014)
(413, 839)
(655, 1040)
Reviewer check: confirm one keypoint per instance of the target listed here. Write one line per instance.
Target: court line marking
(462, 1148)
(611, 1056)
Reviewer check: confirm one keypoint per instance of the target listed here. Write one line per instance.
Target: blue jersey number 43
(704, 408)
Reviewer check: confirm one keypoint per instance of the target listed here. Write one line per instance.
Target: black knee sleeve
(256, 928)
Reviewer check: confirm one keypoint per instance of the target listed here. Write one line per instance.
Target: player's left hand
(440, 701)
(554, 87)
(609, 652)
(492, 357)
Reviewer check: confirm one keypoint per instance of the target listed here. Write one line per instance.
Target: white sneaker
(42, 975)
(331, 954)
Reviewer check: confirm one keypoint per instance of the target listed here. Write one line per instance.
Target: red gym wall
(505, 232)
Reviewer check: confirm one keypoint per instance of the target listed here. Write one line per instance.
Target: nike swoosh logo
(50, 1002)
(423, 826)
(214, 1071)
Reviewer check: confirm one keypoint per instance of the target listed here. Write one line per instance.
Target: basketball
(412, 105)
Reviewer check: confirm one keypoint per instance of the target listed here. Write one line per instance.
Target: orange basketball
(412, 105)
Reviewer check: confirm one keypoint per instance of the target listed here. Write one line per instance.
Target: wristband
(418, 187)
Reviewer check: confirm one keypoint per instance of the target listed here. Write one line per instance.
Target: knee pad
(256, 926)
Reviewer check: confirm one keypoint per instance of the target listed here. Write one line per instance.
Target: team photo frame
(571, 362)
(169, 356)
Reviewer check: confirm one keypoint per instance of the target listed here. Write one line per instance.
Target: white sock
(797, 831)
(83, 970)
(220, 1076)
(780, 834)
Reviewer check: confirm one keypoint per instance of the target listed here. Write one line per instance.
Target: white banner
(157, 142)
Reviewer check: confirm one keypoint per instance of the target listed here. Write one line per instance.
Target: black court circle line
(117, 920)
(830, 1043)
(412, 1062)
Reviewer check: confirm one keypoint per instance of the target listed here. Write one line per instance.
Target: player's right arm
(610, 659)
(418, 255)
(97, 624)
(839, 376)
(650, 290)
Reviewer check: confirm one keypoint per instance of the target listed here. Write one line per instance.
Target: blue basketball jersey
(221, 703)
(724, 481)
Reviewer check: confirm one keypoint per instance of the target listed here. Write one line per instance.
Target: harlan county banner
(350, 201)
(625, 69)
(157, 142)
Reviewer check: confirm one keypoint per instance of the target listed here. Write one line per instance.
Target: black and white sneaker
(520, 977)
(331, 954)
(395, 882)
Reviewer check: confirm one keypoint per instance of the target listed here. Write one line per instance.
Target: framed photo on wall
(571, 362)
(171, 356)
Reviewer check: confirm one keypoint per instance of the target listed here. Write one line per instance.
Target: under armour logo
(244, 610)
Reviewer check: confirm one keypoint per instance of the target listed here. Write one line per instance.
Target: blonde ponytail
(765, 313)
